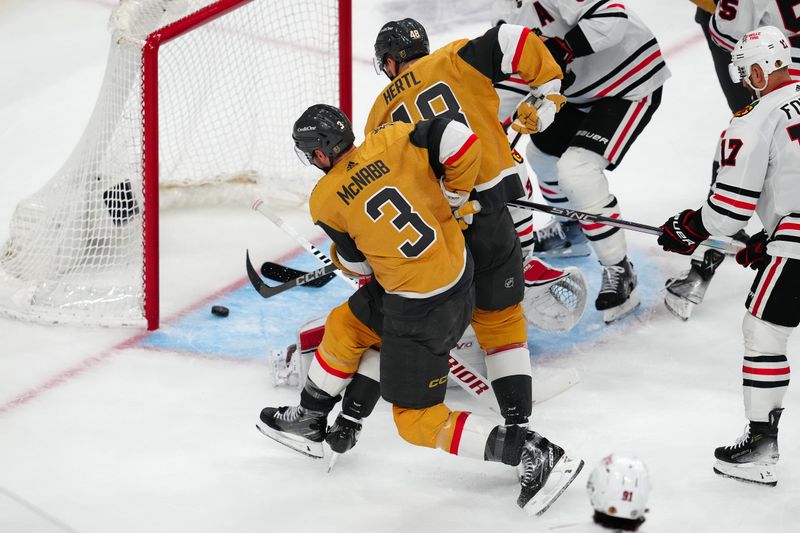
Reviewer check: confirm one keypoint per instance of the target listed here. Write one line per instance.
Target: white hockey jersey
(733, 18)
(759, 172)
(615, 53)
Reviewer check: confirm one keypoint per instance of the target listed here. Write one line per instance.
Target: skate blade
(680, 307)
(757, 473)
(334, 458)
(563, 474)
(621, 311)
(576, 250)
(298, 444)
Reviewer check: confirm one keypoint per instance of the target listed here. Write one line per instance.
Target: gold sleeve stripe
(461, 151)
(520, 48)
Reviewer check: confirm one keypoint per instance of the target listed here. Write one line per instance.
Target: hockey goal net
(198, 95)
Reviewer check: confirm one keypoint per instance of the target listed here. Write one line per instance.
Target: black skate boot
(688, 289)
(545, 472)
(343, 434)
(617, 297)
(293, 426)
(754, 457)
(560, 239)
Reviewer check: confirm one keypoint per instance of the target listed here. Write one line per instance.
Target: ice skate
(295, 427)
(754, 456)
(617, 297)
(545, 472)
(557, 239)
(687, 290)
(342, 436)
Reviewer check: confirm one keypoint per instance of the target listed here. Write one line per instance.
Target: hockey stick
(259, 206)
(282, 273)
(716, 244)
(475, 384)
(267, 291)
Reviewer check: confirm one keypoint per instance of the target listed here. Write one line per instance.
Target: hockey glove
(560, 51)
(464, 213)
(683, 232)
(454, 198)
(536, 112)
(754, 254)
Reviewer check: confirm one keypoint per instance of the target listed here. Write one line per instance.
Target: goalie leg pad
(765, 372)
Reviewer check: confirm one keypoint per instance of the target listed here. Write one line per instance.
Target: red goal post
(198, 95)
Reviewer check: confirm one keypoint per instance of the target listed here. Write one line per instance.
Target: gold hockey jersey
(456, 81)
(383, 207)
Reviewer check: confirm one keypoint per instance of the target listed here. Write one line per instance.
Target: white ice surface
(97, 435)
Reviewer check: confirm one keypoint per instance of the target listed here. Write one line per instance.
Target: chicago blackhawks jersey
(759, 172)
(731, 20)
(457, 81)
(382, 205)
(615, 53)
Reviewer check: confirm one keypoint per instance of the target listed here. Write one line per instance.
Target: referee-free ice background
(120, 430)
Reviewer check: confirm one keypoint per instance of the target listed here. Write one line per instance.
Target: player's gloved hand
(754, 254)
(454, 198)
(464, 213)
(560, 51)
(536, 112)
(683, 232)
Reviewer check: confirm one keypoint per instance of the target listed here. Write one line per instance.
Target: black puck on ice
(219, 310)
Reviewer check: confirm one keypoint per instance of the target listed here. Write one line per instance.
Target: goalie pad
(554, 299)
(289, 367)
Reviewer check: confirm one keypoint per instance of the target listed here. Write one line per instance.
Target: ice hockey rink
(118, 430)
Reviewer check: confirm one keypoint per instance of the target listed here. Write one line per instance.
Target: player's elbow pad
(354, 269)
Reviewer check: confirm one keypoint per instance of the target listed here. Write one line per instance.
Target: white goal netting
(229, 87)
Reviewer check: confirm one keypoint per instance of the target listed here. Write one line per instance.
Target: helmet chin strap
(757, 89)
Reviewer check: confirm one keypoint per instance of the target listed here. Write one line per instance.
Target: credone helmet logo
(307, 128)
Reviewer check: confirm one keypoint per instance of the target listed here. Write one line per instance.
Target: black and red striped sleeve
(600, 24)
(743, 158)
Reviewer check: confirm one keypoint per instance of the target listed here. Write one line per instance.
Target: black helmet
(402, 40)
(322, 127)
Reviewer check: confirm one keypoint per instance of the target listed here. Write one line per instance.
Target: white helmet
(765, 46)
(619, 486)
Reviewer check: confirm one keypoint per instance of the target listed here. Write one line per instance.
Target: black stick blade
(277, 272)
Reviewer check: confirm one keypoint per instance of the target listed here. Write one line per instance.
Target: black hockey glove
(560, 51)
(754, 254)
(683, 232)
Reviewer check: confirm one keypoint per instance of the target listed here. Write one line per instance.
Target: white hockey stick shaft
(261, 207)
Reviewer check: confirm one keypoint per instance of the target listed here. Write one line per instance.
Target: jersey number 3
(406, 216)
(438, 99)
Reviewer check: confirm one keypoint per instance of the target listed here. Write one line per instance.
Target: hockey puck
(219, 310)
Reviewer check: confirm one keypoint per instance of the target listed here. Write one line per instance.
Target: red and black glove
(754, 254)
(683, 232)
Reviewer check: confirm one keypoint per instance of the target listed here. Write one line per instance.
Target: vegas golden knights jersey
(457, 81)
(383, 207)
